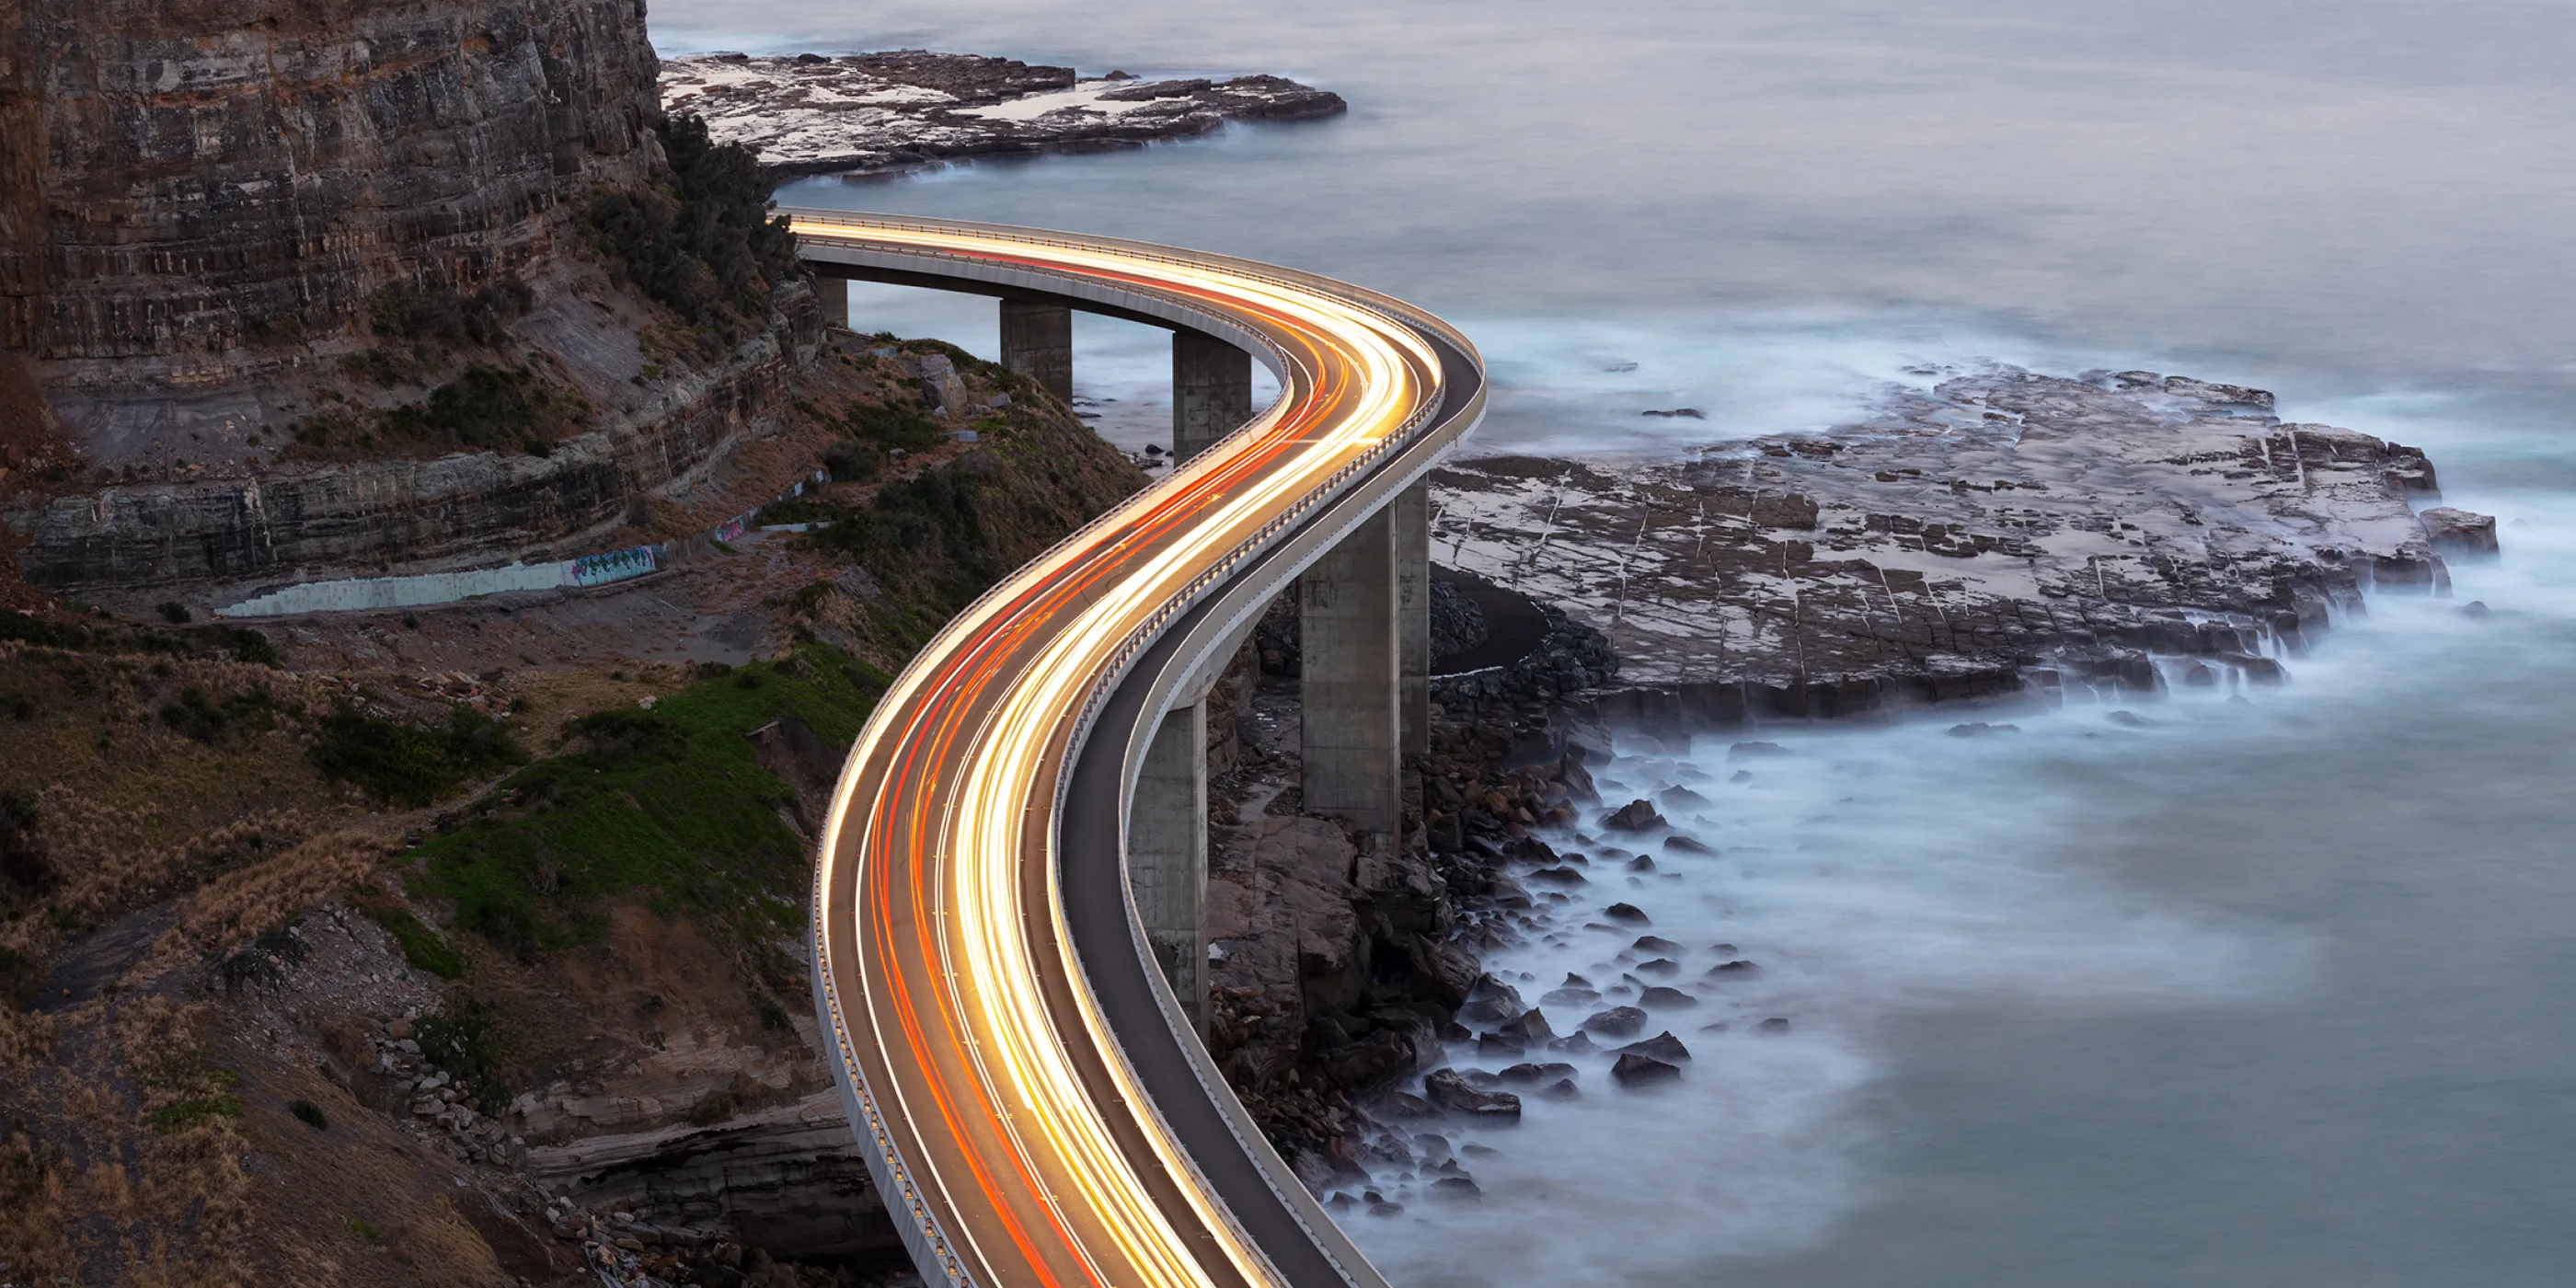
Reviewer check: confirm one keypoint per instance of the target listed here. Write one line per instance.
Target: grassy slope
(666, 802)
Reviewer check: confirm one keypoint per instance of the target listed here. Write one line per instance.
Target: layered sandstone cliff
(197, 190)
(206, 209)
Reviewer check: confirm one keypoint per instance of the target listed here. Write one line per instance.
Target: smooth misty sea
(2267, 993)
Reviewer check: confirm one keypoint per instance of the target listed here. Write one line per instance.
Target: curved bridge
(1035, 1103)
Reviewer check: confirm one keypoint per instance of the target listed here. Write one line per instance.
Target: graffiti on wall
(616, 565)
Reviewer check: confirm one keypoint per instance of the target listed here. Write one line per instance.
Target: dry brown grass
(356, 1206)
(25, 1038)
(95, 721)
(110, 867)
(247, 902)
(554, 697)
(35, 1210)
(179, 1220)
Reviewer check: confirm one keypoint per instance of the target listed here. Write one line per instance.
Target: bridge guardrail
(1122, 658)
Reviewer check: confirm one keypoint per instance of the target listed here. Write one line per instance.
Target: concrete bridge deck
(1004, 898)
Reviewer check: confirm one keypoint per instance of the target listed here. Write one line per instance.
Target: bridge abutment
(1167, 853)
(1211, 391)
(1037, 342)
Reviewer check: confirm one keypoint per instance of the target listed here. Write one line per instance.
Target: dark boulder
(1627, 912)
(1527, 1027)
(1642, 1070)
(1737, 969)
(1491, 1002)
(1405, 1104)
(1663, 1046)
(1660, 998)
(1450, 1090)
(1617, 1022)
(1635, 816)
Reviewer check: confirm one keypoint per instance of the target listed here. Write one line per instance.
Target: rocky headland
(2002, 531)
(2002, 534)
(880, 113)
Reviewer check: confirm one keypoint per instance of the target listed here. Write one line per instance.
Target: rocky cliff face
(207, 208)
(229, 538)
(191, 191)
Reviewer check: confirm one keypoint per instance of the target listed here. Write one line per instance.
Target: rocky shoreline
(2001, 533)
(884, 113)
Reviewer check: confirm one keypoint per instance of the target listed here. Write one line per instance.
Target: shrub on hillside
(444, 315)
(702, 243)
(403, 764)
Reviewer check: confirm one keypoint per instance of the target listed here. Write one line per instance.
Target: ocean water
(2271, 992)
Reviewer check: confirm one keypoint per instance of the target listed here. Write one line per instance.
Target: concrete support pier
(832, 297)
(1412, 518)
(1167, 856)
(1211, 391)
(1037, 342)
(1350, 672)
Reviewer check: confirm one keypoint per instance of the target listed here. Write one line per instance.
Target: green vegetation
(420, 945)
(179, 1115)
(187, 1091)
(487, 408)
(27, 875)
(460, 1039)
(240, 644)
(404, 764)
(890, 427)
(247, 645)
(309, 1114)
(444, 315)
(208, 721)
(703, 243)
(667, 803)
